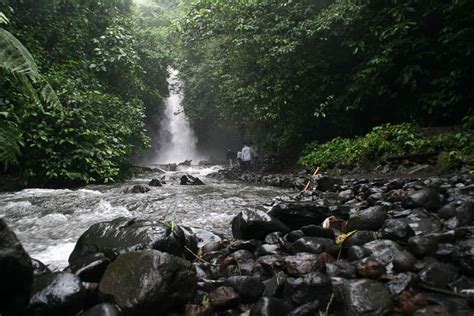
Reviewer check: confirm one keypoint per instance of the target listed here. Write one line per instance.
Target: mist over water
(177, 141)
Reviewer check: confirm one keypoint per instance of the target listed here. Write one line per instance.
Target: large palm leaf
(17, 60)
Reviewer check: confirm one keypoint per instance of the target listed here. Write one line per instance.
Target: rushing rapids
(48, 222)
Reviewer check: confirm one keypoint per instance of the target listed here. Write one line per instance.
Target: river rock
(366, 297)
(465, 256)
(90, 268)
(427, 198)
(148, 282)
(402, 282)
(255, 224)
(317, 231)
(249, 288)
(299, 214)
(422, 245)
(369, 219)
(315, 245)
(274, 285)
(224, 297)
(155, 183)
(359, 238)
(270, 306)
(104, 309)
(122, 235)
(39, 268)
(16, 273)
(341, 268)
(327, 183)
(202, 236)
(383, 250)
(307, 288)
(57, 294)
(403, 261)
(369, 268)
(447, 211)
(138, 188)
(397, 230)
(190, 180)
(437, 274)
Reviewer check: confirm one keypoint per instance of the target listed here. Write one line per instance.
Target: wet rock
(408, 302)
(383, 250)
(299, 214)
(465, 213)
(395, 184)
(224, 297)
(315, 245)
(274, 286)
(270, 306)
(307, 288)
(359, 238)
(265, 249)
(90, 268)
(294, 235)
(402, 282)
(317, 231)
(104, 309)
(427, 198)
(366, 297)
(341, 268)
(369, 219)
(155, 183)
(465, 256)
(299, 264)
(148, 282)
(138, 188)
(397, 230)
(447, 211)
(357, 253)
(255, 224)
(422, 245)
(57, 294)
(190, 180)
(249, 289)
(16, 273)
(308, 309)
(437, 274)
(374, 198)
(369, 268)
(273, 238)
(122, 235)
(39, 268)
(403, 261)
(327, 183)
(346, 195)
(422, 222)
(242, 255)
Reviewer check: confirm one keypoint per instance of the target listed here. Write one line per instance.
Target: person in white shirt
(247, 154)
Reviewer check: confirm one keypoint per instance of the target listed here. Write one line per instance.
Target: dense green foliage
(108, 74)
(285, 73)
(455, 149)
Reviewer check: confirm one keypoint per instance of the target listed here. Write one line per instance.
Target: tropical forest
(236, 157)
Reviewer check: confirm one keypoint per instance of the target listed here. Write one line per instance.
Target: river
(48, 222)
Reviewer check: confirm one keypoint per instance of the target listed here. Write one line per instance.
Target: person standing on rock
(239, 159)
(247, 154)
(231, 156)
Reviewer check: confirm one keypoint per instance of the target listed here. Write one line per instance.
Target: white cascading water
(177, 141)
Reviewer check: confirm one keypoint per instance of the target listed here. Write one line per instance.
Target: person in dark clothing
(231, 158)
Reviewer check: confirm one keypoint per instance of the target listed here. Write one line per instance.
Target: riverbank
(347, 246)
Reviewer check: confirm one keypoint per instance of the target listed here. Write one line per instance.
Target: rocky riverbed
(343, 247)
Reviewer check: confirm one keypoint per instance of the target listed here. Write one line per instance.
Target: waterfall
(177, 140)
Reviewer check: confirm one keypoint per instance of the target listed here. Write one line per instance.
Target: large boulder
(123, 234)
(16, 273)
(299, 214)
(57, 294)
(366, 297)
(148, 282)
(255, 224)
